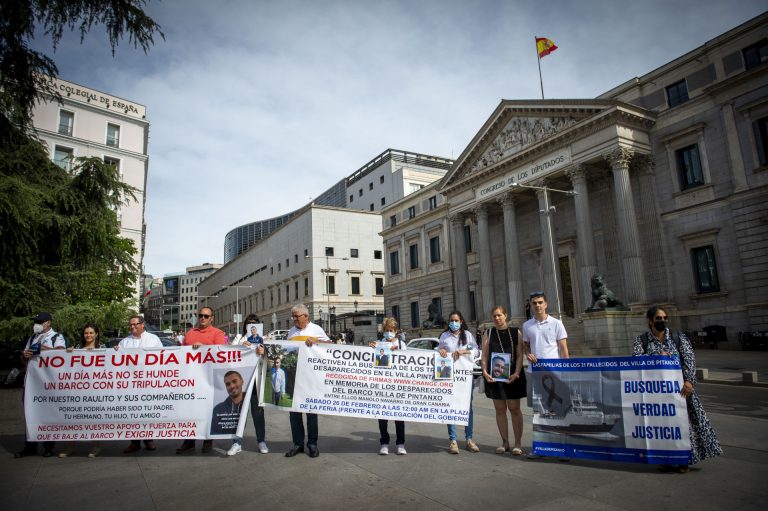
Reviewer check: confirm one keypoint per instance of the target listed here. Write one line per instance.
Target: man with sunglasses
(543, 337)
(203, 333)
(139, 339)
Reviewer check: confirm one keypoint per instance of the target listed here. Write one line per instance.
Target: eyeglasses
(297, 317)
(661, 318)
(132, 325)
(203, 316)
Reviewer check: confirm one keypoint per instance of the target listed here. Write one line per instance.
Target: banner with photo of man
(136, 394)
(352, 381)
(613, 408)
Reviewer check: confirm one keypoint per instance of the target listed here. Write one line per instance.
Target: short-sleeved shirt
(146, 340)
(311, 330)
(46, 340)
(543, 336)
(208, 335)
(451, 341)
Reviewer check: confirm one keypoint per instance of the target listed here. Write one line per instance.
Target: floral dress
(704, 442)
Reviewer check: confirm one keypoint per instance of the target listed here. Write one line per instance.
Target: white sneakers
(263, 449)
(236, 448)
(384, 450)
(401, 450)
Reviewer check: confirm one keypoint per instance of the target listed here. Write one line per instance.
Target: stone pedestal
(610, 332)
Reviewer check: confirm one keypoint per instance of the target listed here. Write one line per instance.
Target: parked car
(430, 343)
(278, 335)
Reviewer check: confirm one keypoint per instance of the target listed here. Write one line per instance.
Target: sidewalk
(349, 475)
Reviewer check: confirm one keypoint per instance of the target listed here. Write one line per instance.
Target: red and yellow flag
(544, 46)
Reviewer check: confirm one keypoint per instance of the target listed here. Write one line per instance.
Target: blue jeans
(467, 430)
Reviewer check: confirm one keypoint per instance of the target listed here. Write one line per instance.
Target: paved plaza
(350, 475)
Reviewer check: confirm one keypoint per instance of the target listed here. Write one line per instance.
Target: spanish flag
(544, 46)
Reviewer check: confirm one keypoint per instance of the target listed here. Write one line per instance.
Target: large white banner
(358, 381)
(135, 394)
(614, 408)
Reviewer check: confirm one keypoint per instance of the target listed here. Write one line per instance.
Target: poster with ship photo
(611, 408)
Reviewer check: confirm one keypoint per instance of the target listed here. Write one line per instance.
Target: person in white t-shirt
(139, 339)
(310, 333)
(543, 337)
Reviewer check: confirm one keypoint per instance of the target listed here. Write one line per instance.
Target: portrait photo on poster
(443, 367)
(229, 395)
(282, 360)
(501, 366)
(383, 358)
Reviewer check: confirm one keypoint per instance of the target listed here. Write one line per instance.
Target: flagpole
(538, 61)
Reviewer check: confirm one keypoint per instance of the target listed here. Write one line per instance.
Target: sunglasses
(203, 316)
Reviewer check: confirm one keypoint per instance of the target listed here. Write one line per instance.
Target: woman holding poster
(459, 341)
(658, 340)
(502, 342)
(393, 342)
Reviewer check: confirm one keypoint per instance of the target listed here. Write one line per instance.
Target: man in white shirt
(310, 333)
(44, 338)
(139, 339)
(543, 337)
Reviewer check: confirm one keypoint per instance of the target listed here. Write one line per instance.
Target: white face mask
(389, 335)
(38, 328)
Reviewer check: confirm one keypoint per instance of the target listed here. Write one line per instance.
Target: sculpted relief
(520, 133)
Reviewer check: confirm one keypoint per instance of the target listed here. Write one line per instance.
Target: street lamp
(327, 271)
(237, 304)
(548, 211)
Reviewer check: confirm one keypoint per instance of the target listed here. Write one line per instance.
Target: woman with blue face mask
(389, 326)
(459, 341)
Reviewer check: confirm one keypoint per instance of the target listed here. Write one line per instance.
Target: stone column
(512, 258)
(459, 261)
(549, 266)
(734, 149)
(486, 263)
(629, 237)
(584, 233)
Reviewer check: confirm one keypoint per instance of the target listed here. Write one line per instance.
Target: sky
(256, 106)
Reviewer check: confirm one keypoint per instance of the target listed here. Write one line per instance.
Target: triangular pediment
(517, 127)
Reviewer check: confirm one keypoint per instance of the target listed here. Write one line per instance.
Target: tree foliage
(24, 72)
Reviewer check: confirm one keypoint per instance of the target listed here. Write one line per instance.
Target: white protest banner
(613, 408)
(335, 379)
(136, 394)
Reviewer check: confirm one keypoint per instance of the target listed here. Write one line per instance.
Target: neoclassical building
(659, 185)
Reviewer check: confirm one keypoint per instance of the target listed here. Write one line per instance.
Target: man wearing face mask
(43, 338)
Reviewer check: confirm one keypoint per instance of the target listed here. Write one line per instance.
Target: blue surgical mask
(454, 325)
(389, 335)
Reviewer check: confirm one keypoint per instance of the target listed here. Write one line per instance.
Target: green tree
(25, 73)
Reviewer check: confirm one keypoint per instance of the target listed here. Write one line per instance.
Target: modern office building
(660, 185)
(92, 123)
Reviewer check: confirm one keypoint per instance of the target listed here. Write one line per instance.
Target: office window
(370, 186)
(393, 220)
(351, 198)
(330, 284)
(279, 266)
(377, 254)
(112, 161)
(434, 249)
(287, 263)
(381, 179)
(433, 202)
(360, 192)
(295, 258)
(296, 290)
(353, 253)
(705, 269)
(467, 239)
(412, 212)
(755, 54)
(689, 167)
(63, 157)
(328, 251)
(396, 313)
(379, 285)
(677, 93)
(279, 296)
(66, 122)
(413, 256)
(371, 208)
(306, 252)
(415, 314)
(394, 263)
(271, 270)
(761, 139)
(113, 135)
(383, 201)
(306, 286)
(355, 284)
(287, 292)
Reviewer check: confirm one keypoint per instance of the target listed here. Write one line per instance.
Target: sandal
(517, 451)
(501, 450)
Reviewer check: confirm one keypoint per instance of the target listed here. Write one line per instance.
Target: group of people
(540, 337)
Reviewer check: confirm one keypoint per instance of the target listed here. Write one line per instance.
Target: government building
(91, 123)
(659, 185)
